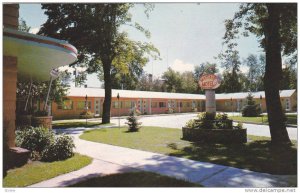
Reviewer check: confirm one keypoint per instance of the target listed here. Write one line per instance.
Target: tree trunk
(107, 87)
(273, 75)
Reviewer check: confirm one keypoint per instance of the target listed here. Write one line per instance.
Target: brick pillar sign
(9, 98)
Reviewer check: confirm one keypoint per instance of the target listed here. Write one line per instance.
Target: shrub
(35, 139)
(60, 149)
(133, 123)
(239, 125)
(210, 121)
(170, 110)
(251, 109)
(206, 116)
(192, 123)
(86, 115)
(44, 145)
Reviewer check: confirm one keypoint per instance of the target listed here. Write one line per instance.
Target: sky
(186, 34)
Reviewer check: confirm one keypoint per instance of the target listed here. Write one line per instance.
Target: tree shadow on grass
(260, 156)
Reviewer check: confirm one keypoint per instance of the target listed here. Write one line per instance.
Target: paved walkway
(110, 159)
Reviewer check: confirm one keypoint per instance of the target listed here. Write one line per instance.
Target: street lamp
(86, 108)
(118, 97)
(262, 116)
(231, 106)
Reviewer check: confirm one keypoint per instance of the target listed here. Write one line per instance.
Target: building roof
(37, 55)
(243, 95)
(98, 92)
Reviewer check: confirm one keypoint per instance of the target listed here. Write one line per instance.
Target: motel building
(25, 57)
(157, 102)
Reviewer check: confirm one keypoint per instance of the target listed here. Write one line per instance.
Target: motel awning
(37, 55)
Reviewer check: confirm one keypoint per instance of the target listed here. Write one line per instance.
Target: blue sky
(187, 34)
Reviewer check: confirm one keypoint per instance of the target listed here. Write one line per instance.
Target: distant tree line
(233, 78)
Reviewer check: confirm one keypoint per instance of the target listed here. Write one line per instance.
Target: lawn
(35, 172)
(135, 179)
(69, 124)
(257, 155)
(291, 119)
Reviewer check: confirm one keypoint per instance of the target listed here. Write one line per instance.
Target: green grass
(135, 179)
(257, 155)
(291, 119)
(35, 172)
(68, 124)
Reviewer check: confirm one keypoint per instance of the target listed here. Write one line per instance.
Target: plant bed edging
(215, 135)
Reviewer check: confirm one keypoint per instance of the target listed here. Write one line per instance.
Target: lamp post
(54, 73)
(262, 116)
(86, 108)
(231, 107)
(118, 97)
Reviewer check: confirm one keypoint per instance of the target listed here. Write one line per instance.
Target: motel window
(227, 103)
(81, 105)
(127, 104)
(162, 104)
(154, 104)
(65, 105)
(115, 104)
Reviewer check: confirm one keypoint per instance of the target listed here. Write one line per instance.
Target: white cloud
(34, 30)
(180, 66)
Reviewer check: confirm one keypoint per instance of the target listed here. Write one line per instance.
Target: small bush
(251, 109)
(133, 123)
(86, 115)
(206, 116)
(239, 125)
(170, 111)
(192, 123)
(60, 149)
(44, 145)
(35, 139)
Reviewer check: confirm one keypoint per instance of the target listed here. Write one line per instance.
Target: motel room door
(98, 107)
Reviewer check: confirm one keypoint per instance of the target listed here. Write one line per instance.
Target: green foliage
(255, 73)
(251, 109)
(94, 29)
(35, 139)
(172, 80)
(210, 121)
(23, 26)
(44, 145)
(59, 149)
(206, 116)
(240, 125)
(133, 123)
(86, 115)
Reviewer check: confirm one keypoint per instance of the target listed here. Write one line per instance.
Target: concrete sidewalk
(110, 159)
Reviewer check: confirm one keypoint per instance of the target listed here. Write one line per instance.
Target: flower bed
(215, 135)
(211, 128)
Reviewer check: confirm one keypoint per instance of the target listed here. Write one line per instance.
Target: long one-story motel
(158, 102)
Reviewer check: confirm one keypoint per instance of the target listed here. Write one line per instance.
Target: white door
(97, 107)
(287, 104)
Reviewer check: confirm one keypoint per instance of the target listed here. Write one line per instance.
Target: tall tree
(275, 25)
(94, 29)
(204, 68)
(230, 61)
(255, 73)
(172, 80)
